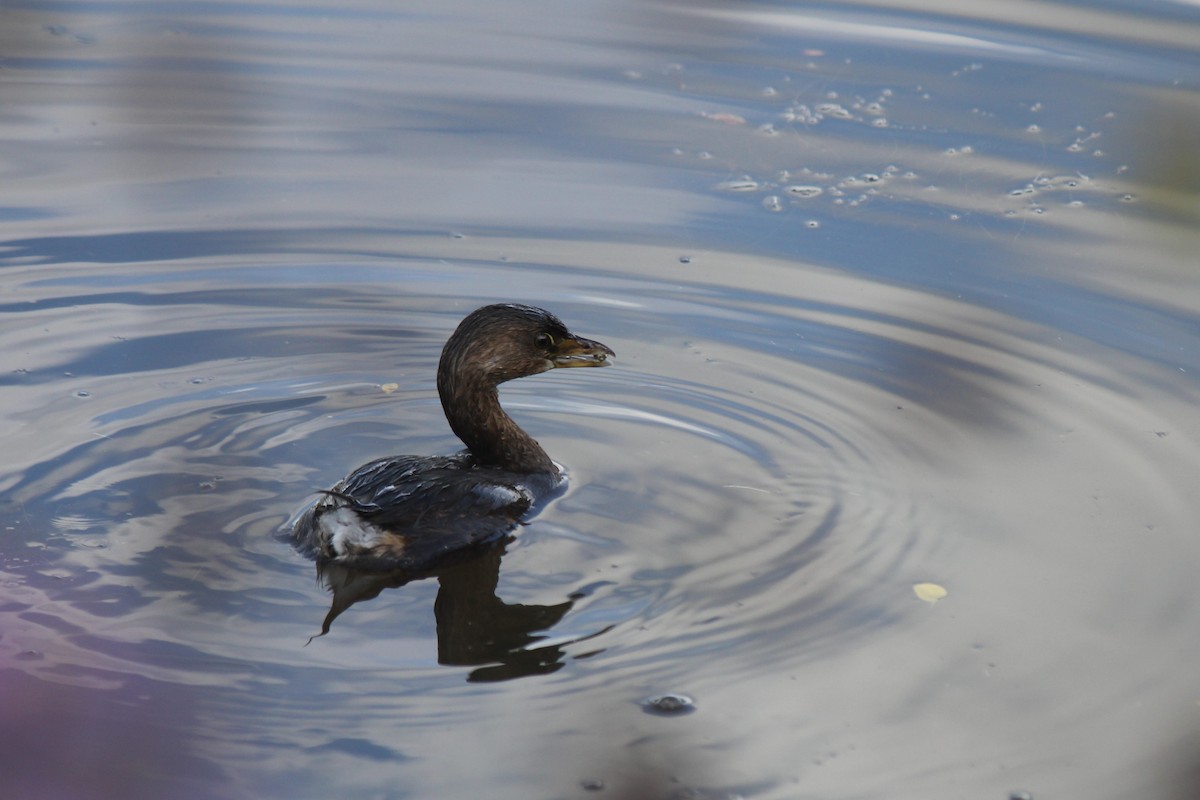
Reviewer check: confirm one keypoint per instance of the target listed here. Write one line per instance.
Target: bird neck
(472, 406)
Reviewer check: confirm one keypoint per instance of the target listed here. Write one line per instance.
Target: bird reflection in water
(475, 628)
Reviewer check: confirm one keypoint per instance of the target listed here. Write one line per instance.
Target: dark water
(901, 293)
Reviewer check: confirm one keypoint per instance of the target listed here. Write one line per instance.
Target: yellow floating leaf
(929, 592)
(388, 388)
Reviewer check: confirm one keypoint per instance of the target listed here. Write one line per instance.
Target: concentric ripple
(755, 485)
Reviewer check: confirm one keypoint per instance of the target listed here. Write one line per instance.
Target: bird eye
(545, 340)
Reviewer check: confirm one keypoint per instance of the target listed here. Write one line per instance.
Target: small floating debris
(834, 110)
(929, 592)
(388, 388)
(670, 704)
(740, 185)
(725, 117)
(748, 488)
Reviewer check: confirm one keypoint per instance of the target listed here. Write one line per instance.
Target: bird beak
(575, 351)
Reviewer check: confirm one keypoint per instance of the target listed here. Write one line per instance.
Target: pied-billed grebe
(411, 513)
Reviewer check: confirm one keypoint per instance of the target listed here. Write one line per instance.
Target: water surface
(901, 293)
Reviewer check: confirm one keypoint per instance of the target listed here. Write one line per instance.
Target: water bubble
(880, 122)
(592, 785)
(769, 91)
(801, 114)
(812, 223)
(82, 393)
(804, 191)
(741, 185)
(834, 110)
(669, 704)
(772, 203)
(685, 259)
(1034, 129)
(1020, 795)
